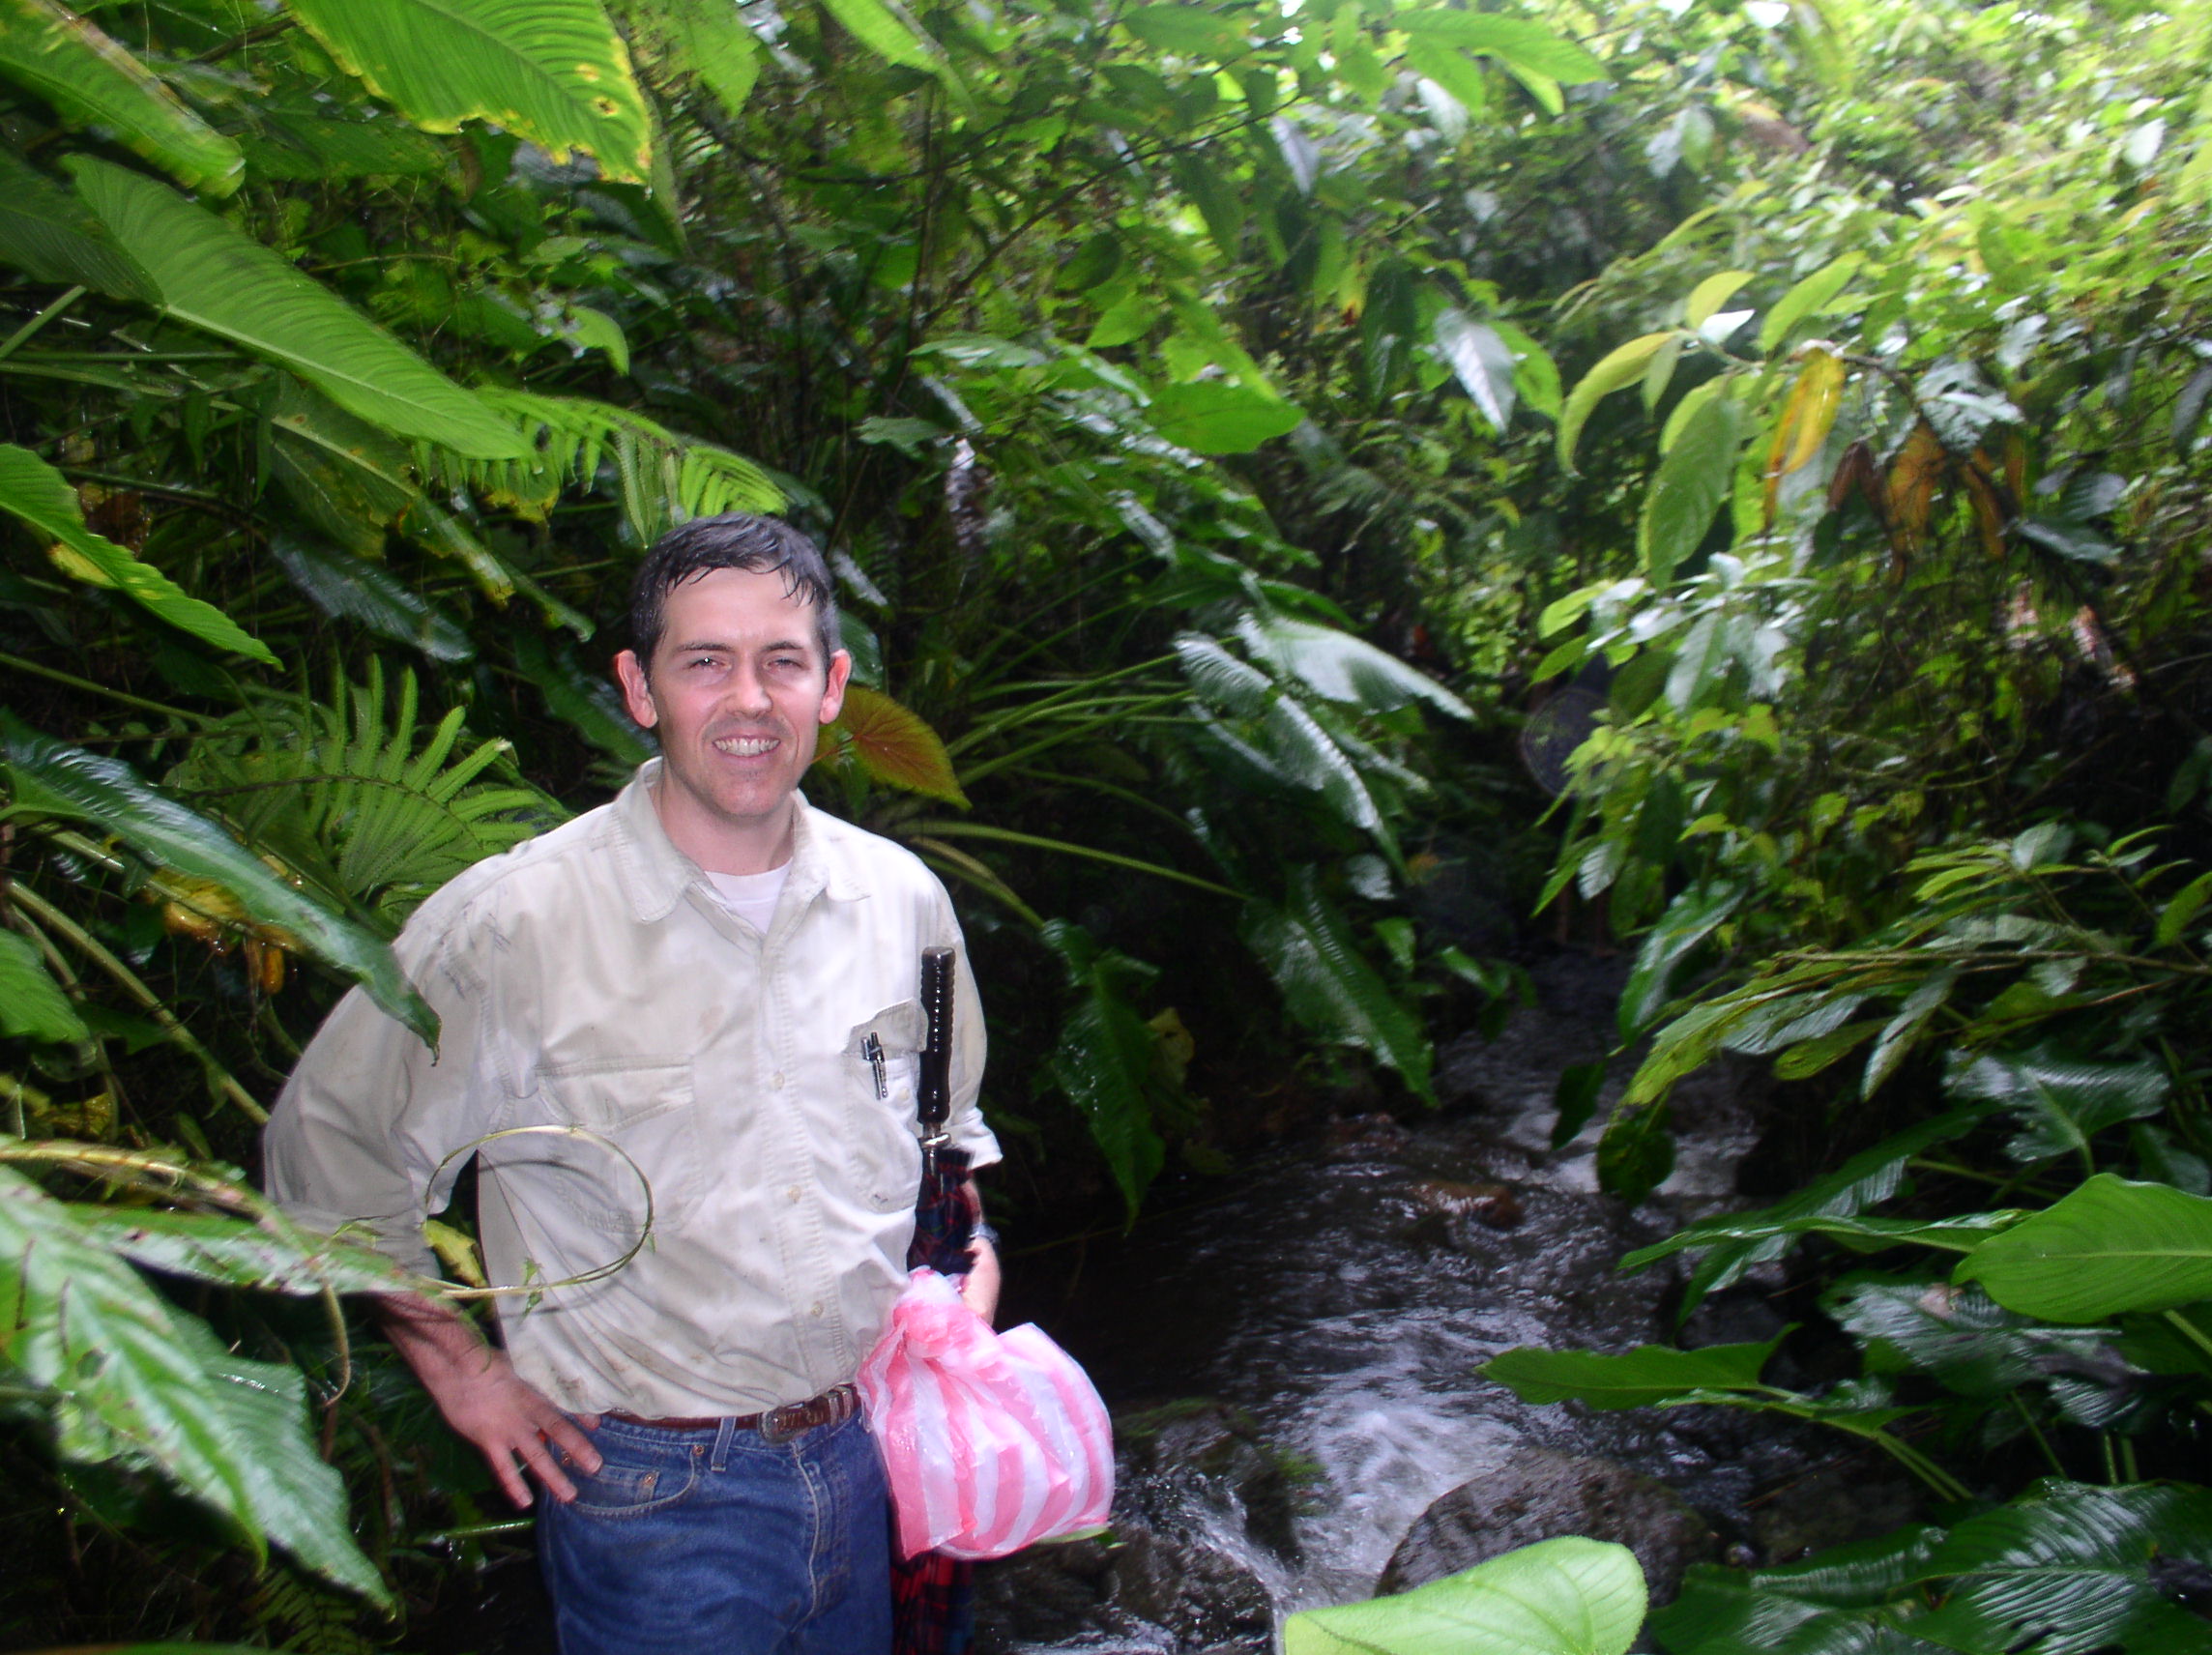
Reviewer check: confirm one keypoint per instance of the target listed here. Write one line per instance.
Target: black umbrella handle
(933, 1095)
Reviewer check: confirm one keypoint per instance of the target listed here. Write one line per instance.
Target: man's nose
(747, 691)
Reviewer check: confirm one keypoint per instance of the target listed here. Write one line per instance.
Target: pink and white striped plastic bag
(993, 1441)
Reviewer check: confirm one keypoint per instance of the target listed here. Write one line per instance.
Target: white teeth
(746, 746)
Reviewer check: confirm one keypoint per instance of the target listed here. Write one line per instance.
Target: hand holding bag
(991, 1441)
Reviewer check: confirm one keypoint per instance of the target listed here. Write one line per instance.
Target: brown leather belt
(833, 1406)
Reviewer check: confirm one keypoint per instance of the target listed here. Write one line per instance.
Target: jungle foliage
(1227, 422)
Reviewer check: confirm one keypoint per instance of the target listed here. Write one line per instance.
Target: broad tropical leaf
(50, 776)
(1691, 484)
(1569, 1596)
(1689, 919)
(1216, 416)
(1294, 749)
(554, 72)
(95, 82)
(215, 277)
(41, 497)
(2110, 1247)
(1808, 416)
(1482, 360)
(32, 1005)
(2067, 1570)
(1107, 1062)
(2062, 1104)
(127, 1377)
(51, 235)
(274, 1256)
(350, 588)
(887, 33)
(1621, 367)
(1328, 986)
(1809, 298)
(1849, 1600)
(1339, 667)
(1650, 1375)
(893, 744)
(1513, 40)
(1740, 1240)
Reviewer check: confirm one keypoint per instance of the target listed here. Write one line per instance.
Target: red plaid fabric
(933, 1597)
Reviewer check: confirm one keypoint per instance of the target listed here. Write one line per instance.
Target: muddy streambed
(1293, 1365)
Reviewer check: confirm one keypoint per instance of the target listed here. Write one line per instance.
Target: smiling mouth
(747, 746)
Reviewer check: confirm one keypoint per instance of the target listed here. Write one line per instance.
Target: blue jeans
(717, 1540)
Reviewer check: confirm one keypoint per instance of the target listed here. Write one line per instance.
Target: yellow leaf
(458, 1250)
(1808, 416)
(1911, 486)
(891, 745)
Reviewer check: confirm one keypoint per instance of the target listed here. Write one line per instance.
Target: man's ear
(833, 692)
(637, 693)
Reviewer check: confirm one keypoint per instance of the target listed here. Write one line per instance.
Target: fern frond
(356, 794)
(661, 477)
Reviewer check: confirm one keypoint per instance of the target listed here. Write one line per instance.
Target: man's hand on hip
(505, 1418)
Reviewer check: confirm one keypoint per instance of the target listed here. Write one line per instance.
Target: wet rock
(1048, 1594)
(1838, 1502)
(1494, 1204)
(1200, 1452)
(1204, 1598)
(1534, 1493)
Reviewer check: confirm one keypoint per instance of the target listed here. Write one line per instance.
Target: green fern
(294, 1611)
(662, 478)
(359, 795)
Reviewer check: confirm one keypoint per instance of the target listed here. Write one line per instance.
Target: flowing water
(1341, 1298)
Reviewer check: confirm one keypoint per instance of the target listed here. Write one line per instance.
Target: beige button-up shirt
(593, 979)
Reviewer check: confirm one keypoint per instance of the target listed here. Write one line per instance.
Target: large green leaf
(1689, 919)
(51, 236)
(2110, 1247)
(1107, 1059)
(41, 495)
(235, 1252)
(1328, 986)
(1693, 481)
(1737, 1241)
(129, 1378)
(1512, 41)
(32, 1005)
(1649, 1376)
(1959, 1336)
(350, 588)
(1339, 667)
(1620, 368)
(1482, 359)
(888, 33)
(1293, 747)
(1216, 416)
(1809, 298)
(216, 277)
(95, 82)
(50, 776)
(2062, 1104)
(1569, 1596)
(554, 72)
(2068, 1570)
(1850, 1599)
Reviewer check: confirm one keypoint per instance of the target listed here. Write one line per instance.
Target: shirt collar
(655, 874)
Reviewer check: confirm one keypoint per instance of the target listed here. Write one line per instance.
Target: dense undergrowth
(1230, 422)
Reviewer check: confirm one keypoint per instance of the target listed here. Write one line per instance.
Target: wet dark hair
(739, 540)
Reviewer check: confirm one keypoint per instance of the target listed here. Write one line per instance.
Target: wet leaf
(1328, 986)
(1809, 298)
(1214, 416)
(1481, 361)
(32, 1005)
(1650, 1375)
(51, 235)
(1569, 1596)
(41, 497)
(1808, 415)
(1622, 365)
(2110, 1247)
(1692, 483)
(2062, 1104)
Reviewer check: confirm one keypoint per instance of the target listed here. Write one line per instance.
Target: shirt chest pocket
(882, 1069)
(647, 1110)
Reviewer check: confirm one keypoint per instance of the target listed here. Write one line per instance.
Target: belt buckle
(782, 1424)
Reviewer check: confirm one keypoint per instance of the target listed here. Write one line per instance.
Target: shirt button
(778, 1079)
(791, 1194)
(814, 1310)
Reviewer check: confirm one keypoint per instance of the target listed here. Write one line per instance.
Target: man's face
(738, 691)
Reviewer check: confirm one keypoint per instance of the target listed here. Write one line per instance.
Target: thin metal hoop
(596, 1274)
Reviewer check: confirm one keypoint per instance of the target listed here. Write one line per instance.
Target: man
(706, 989)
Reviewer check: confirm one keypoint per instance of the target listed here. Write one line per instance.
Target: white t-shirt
(751, 897)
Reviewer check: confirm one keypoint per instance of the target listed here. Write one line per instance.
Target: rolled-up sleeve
(371, 1111)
